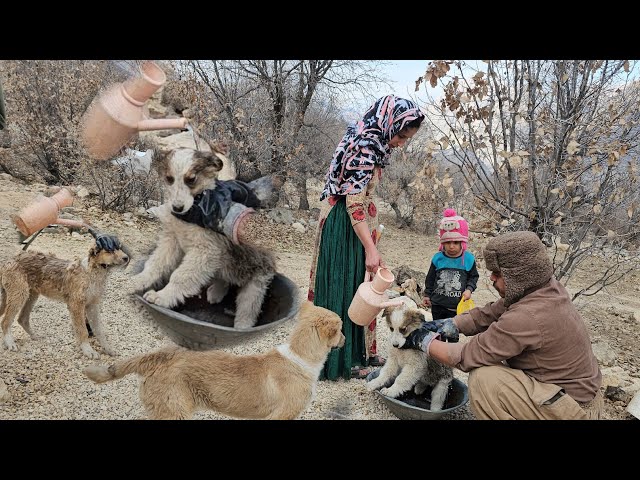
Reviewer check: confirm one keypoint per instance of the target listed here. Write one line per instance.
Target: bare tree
(261, 106)
(547, 146)
(47, 99)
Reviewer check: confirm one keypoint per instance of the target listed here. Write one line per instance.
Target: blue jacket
(449, 277)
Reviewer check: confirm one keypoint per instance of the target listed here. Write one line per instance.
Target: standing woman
(345, 246)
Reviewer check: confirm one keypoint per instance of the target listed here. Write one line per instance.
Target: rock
(315, 213)
(604, 353)
(281, 215)
(616, 394)
(298, 227)
(404, 272)
(127, 216)
(82, 193)
(267, 189)
(4, 393)
(617, 377)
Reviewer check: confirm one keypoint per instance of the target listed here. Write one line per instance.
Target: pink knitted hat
(453, 228)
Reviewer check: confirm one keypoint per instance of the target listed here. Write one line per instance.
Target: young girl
(453, 274)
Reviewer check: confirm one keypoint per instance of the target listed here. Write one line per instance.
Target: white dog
(408, 369)
(192, 257)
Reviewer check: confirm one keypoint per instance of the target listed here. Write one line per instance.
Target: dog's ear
(161, 159)
(387, 311)
(328, 326)
(219, 147)
(207, 163)
(413, 318)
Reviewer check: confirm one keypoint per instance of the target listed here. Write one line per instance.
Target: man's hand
(426, 301)
(210, 207)
(447, 329)
(240, 192)
(421, 338)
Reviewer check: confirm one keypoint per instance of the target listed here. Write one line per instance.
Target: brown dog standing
(80, 284)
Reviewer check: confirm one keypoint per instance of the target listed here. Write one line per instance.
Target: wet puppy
(80, 284)
(191, 257)
(408, 369)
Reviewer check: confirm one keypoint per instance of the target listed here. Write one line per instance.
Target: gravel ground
(44, 379)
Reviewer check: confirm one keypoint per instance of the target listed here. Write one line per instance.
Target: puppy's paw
(10, 344)
(373, 385)
(108, 350)
(216, 292)
(89, 352)
(390, 392)
(158, 299)
(141, 282)
(244, 324)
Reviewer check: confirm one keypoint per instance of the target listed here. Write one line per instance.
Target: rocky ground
(44, 379)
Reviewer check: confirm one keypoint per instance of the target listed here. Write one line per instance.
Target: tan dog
(278, 384)
(80, 284)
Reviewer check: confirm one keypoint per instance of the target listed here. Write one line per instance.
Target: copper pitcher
(116, 116)
(370, 298)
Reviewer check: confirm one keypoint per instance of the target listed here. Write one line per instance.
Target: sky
(403, 75)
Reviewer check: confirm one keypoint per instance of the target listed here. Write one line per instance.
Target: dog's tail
(144, 365)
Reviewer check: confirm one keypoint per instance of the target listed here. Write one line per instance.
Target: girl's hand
(466, 295)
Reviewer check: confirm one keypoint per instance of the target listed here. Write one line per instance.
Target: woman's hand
(373, 260)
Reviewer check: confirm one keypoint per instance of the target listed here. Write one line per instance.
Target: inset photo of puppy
(188, 257)
(78, 283)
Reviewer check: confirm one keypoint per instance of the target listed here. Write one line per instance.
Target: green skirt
(339, 272)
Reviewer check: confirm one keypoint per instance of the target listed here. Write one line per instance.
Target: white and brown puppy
(80, 284)
(408, 369)
(278, 384)
(191, 257)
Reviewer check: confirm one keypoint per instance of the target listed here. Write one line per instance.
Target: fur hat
(453, 228)
(522, 259)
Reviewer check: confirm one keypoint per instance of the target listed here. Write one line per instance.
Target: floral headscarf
(366, 144)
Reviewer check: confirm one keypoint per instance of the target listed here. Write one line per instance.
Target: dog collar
(286, 352)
